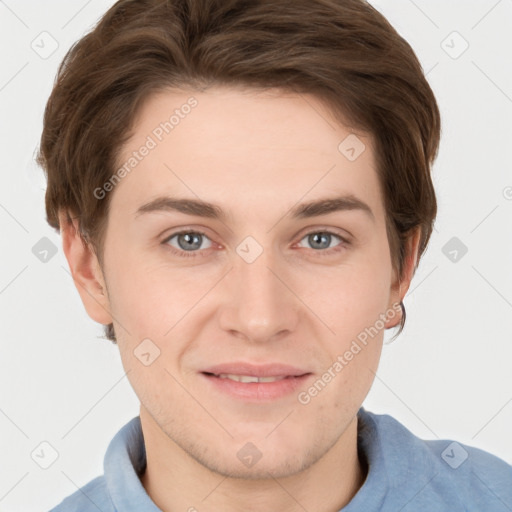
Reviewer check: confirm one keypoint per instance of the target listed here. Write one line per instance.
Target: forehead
(243, 147)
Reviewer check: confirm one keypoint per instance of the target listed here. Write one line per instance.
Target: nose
(260, 302)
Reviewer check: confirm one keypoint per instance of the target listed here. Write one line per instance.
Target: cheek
(351, 297)
(160, 304)
(147, 298)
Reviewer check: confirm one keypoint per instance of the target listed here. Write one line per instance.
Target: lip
(257, 392)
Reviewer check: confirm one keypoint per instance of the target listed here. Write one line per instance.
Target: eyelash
(194, 254)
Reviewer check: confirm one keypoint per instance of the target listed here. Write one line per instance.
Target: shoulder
(442, 470)
(478, 477)
(91, 497)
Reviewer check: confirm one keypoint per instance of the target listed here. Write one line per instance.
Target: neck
(176, 481)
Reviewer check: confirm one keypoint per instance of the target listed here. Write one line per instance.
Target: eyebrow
(209, 210)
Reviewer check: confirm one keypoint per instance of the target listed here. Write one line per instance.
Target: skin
(255, 154)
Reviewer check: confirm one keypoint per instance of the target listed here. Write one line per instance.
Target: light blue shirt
(405, 473)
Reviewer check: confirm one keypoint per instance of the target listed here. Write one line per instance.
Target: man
(243, 191)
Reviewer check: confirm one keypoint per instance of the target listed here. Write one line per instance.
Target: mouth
(255, 383)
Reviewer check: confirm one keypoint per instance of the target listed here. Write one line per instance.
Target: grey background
(447, 376)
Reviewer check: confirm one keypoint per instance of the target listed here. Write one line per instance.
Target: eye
(320, 241)
(187, 242)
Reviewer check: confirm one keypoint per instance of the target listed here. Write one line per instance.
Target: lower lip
(257, 391)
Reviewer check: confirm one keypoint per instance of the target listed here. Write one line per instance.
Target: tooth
(270, 379)
(238, 378)
(248, 378)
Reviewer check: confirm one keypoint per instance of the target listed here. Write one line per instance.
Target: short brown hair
(342, 51)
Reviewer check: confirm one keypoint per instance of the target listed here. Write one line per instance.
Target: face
(257, 285)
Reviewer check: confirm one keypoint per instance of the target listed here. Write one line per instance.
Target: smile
(254, 388)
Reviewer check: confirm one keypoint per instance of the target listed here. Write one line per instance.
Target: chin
(278, 466)
(277, 456)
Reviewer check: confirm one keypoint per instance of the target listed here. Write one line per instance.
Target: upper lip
(262, 370)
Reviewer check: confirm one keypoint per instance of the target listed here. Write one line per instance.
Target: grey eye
(321, 239)
(188, 241)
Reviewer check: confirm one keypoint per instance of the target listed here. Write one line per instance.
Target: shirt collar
(125, 461)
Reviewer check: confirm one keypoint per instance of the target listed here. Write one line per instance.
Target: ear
(401, 283)
(85, 270)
